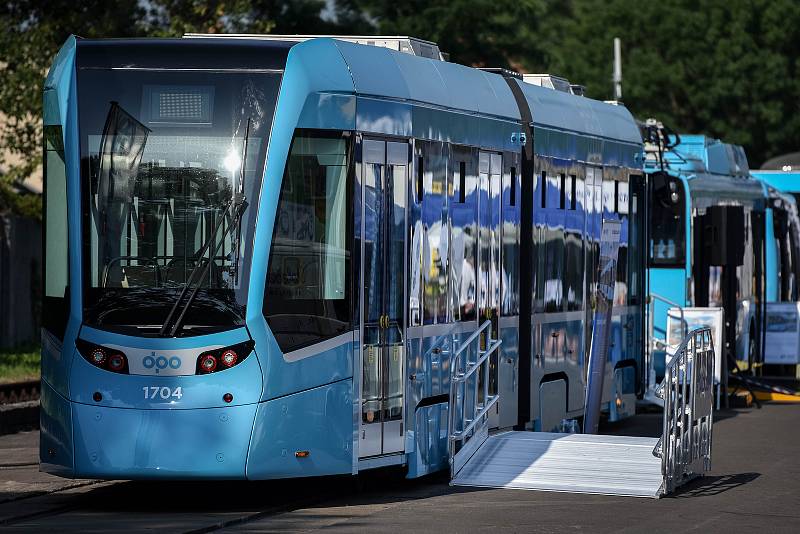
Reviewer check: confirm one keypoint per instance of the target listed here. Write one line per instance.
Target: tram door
(383, 196)
(594, 220)
(490, 168)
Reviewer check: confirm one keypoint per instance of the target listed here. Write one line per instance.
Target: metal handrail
(492, 399)
(652, 309)
(687, 391)
(458, 380)
(653, 342)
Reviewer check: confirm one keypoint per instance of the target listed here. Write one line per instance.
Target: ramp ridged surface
(575, 463)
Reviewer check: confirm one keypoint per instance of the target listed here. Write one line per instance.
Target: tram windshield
(167, 160)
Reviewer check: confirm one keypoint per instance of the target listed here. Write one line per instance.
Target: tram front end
(154, 158)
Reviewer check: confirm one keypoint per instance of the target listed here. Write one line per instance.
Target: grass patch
(22, 363)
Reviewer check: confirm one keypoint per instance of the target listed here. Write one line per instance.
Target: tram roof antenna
(617, 74)
(401, 43)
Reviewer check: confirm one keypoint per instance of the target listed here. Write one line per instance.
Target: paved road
(755, 485)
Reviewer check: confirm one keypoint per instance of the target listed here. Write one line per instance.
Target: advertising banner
(697, 318)
(782, 345)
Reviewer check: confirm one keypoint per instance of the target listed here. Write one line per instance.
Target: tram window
(513, 191)
(461, 242)
(668, 221)
(544, 189)
(462, 181)
(307, 292)
(56, 275)
(616, 196)
(562, 191)
(573, 191)
(434, 222)
(419, 179)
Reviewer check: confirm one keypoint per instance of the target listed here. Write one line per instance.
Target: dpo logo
(160, 362)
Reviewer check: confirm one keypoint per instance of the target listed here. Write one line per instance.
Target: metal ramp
(575, 463)
(584, 463)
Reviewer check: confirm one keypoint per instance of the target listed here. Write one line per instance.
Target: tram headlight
(214, 361)
(117, 362)
(98, 356)
(103, 357)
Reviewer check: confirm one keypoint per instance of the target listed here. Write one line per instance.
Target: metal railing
(687, 391)
(468, 411)
(653, 341)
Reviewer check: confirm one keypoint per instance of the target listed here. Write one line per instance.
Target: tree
(33, 31)
(176, 17)
(728, 69)
(483, 33)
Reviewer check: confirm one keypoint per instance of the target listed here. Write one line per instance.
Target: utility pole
(617, 75)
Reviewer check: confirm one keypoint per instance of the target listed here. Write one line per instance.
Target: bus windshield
(668, 221)
(165, 156)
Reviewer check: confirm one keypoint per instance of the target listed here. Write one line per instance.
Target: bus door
(383, 223)
(593, 192)
(490, 168)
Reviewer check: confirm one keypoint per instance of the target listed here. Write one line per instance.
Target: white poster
(697, 318)
(782, 344)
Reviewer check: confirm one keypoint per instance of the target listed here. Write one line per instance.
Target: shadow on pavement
(713, 485)
(380, 486)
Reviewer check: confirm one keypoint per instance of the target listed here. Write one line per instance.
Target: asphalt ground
(754, 486)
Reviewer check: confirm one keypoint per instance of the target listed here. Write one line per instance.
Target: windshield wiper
(238, 203)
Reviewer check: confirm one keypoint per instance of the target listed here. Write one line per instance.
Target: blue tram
(261, 253)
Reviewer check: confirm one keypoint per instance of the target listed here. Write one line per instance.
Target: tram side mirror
(724, 237)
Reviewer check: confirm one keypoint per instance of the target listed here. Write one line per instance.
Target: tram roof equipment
(420, 77)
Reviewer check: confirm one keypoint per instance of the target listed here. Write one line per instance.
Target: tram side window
(462, 239)
(668, 228)
(56, 276)
(307, 297)
(435, 239)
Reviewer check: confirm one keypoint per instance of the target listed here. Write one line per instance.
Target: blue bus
(707, 238)
(262, 252)
(783, 233)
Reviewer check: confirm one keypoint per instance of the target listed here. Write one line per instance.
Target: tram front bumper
(122, 443)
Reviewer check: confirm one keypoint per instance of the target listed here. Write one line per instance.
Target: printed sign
(782, 345)
(697, 318)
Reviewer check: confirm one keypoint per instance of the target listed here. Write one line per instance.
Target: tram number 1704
(165, 393)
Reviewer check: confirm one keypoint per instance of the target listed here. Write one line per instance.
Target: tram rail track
(47, 511)
(20, 391)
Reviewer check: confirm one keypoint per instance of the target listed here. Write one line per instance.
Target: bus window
(668, 221)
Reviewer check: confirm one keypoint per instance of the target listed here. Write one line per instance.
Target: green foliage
(728, 69)
(485, 33)
(33, 31)
(724, 68)
(20, 364)
(176, 17)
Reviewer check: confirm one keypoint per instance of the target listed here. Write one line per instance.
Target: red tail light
(229, 358)
(103, 357)
(221, 359)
